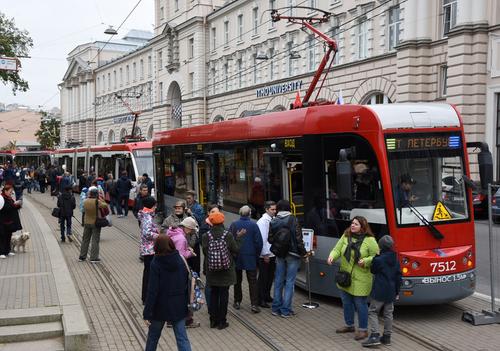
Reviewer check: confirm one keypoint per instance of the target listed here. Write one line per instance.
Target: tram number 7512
(444, 266)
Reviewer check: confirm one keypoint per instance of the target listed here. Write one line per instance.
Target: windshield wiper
(434, 231)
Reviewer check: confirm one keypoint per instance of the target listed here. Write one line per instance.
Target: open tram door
(205, 169)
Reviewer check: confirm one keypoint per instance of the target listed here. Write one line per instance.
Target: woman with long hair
(9, 219)
(356, 249)
(168, 295)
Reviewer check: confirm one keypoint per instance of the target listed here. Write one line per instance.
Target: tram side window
(177, 171)
(233, 176)
(357, 190)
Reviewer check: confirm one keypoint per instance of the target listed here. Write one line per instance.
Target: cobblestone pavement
(111, 293)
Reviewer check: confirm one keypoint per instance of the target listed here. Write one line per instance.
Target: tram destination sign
(422, 142)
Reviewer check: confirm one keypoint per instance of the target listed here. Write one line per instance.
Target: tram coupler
(481, 318)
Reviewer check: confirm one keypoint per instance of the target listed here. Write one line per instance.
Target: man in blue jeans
(286, 267)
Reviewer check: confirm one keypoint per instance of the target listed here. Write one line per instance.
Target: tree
(49, 133)
(13, 43)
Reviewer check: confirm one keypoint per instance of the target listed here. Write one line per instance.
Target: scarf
(354, 246)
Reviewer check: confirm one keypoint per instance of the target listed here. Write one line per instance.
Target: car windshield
(426, 176)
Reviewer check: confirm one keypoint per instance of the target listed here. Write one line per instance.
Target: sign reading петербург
(279, 88)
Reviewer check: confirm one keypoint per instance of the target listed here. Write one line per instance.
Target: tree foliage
(13, 43)
(49, 133)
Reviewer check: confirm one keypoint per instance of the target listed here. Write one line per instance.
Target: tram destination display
(422, 142)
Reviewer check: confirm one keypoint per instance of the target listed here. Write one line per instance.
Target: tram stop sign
(8, 63)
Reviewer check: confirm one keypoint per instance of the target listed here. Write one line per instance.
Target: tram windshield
(427, 177)
(144, 162)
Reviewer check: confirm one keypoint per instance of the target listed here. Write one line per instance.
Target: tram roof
(316, 120)
(110, 147)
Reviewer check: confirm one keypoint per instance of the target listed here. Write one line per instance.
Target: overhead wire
(264, 64)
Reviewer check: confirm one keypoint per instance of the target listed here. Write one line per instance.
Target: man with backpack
(219, 246)
(285, 237)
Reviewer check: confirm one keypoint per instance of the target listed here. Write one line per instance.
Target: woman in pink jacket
(180, 241)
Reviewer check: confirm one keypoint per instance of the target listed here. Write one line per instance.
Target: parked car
(480, 202)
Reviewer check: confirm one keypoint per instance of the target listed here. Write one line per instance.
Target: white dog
(18, 241)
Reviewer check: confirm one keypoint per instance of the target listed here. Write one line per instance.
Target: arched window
(100, 138)
(111, 136)
(123, 133)
(218, 118)
(279, 108)
(138, 131)
(377, 98)
(150, 132)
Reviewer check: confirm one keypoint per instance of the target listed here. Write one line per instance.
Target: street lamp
(111, 31)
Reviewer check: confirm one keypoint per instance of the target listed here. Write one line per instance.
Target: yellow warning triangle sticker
(440, 212)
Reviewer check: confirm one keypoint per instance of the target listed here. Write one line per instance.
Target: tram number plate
(445, 278)
(443, 266)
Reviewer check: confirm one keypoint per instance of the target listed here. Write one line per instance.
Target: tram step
(28, 332)
(30, 316)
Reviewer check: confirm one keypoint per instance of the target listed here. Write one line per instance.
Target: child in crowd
(387, 280)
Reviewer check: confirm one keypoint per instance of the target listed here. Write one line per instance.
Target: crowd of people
(269, 251)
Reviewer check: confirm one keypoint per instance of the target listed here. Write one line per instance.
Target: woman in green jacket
(356, 249)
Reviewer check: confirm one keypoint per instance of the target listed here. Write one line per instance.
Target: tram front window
(426, 176)
(144, 162)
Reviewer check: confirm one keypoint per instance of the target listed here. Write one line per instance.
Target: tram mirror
(344, 176)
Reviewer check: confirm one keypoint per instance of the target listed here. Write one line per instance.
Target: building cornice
(189, 22)
(125, 57)
(224, 9)
(469, 28)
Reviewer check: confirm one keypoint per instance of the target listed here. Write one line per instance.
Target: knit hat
(216, 218)
(385, 243)
(149, 202)
(189, 222)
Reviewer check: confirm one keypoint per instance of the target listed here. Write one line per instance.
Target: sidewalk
(38, 300)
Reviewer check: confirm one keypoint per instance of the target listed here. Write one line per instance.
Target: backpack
(280, 245)
(218, 257)
(112, 189)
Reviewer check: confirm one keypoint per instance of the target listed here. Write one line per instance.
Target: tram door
(295, 187)
(274, 182)
(205, 178)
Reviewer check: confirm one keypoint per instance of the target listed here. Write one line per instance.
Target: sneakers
(373, 340)
(286, 316)
(81, 259)
(276, 313)
(360, 335)
(11, 254)
(95, 260)
(255, 309)
(345, 329)
(264, 305)
(3, 256)
(386, 339)
(237, 305)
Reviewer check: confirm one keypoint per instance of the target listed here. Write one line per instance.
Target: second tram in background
(336, 162)
(135, 157)
(25, 158)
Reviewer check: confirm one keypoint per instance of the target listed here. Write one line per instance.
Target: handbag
(56, 212)
(195, 287)
(343, 279)
(100, 222)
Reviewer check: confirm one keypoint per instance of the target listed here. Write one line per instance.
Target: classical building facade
(216, 60)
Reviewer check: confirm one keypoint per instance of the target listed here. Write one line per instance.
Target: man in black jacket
(66, 203)
(123, 186)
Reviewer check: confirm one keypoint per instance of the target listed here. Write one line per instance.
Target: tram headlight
(469, 254)
(415, 265)
(405, 260)
(465, 260)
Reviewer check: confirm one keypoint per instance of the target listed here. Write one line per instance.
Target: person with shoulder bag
(287, 244)
(92, 232)
(356, 248)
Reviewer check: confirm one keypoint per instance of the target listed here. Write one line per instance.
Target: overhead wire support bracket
(309, 22)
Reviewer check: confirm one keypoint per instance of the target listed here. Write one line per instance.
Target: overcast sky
(58, 26)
